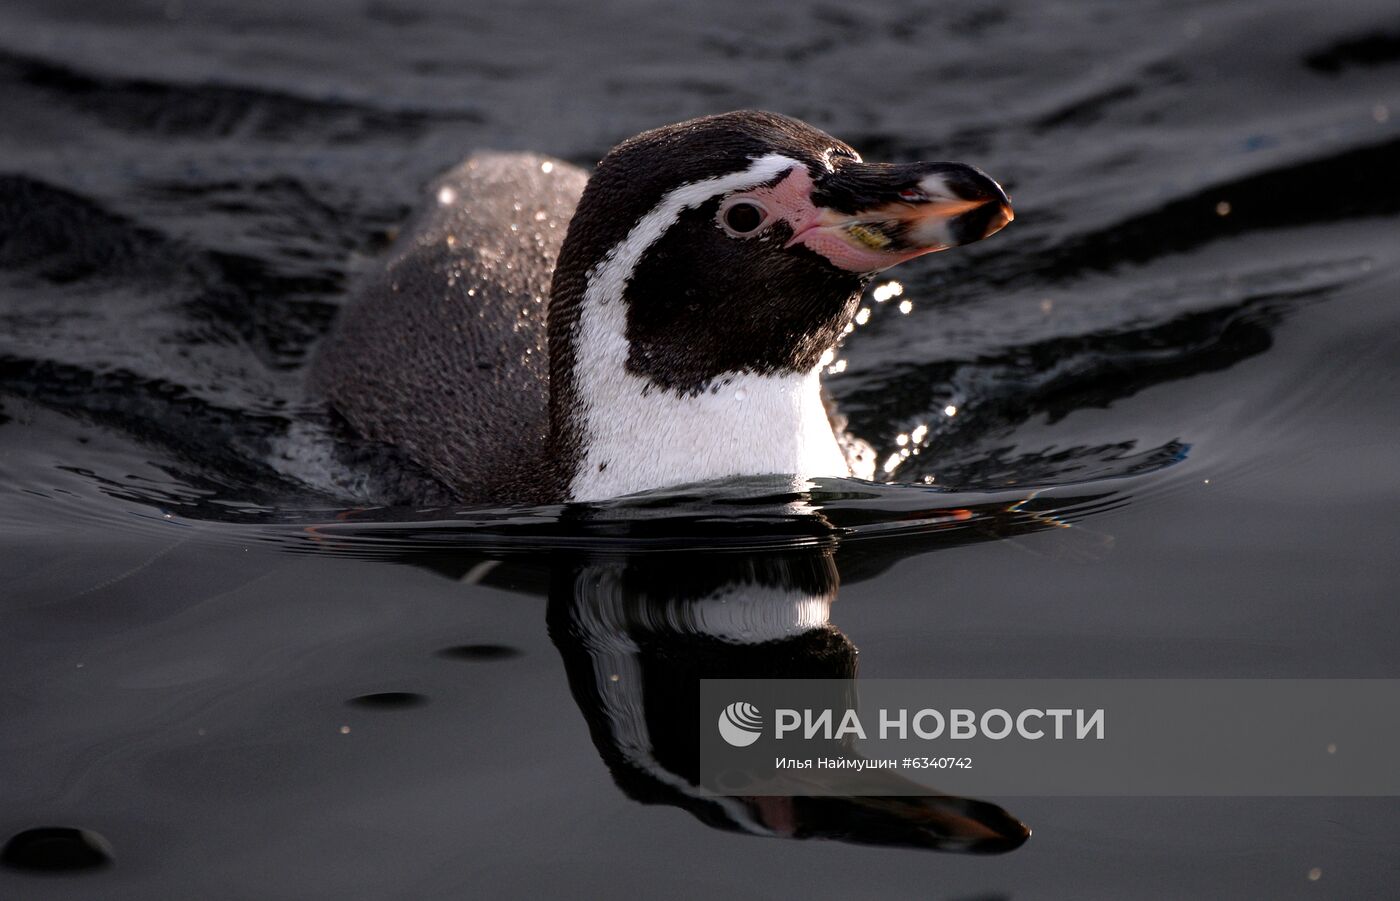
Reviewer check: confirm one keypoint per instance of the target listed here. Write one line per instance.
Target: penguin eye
(743, 217)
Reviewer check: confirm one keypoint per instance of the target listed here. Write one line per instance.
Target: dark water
(1156, 431)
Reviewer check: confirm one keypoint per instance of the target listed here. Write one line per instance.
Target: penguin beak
(874, 215)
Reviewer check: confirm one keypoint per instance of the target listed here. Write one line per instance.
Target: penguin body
(442, 352)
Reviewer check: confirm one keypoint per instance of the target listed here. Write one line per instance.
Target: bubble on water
(884, 292)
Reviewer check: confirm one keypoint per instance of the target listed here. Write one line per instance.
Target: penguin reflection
(648, 596)
(638, 632)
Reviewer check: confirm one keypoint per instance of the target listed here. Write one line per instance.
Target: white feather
(638, 436)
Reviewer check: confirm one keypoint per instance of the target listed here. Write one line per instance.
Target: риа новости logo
(740, 724)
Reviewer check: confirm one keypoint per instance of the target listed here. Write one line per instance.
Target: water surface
(1147, 431)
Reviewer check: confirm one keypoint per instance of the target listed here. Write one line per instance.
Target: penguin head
(740, 243)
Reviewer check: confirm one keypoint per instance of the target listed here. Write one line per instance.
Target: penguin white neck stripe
(636, 438)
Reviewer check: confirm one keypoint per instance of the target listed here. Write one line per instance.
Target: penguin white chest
(640, 437)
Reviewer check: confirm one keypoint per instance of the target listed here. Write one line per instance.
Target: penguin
(539, 336)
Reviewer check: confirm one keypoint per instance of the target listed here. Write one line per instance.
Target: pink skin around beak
(922, 220)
